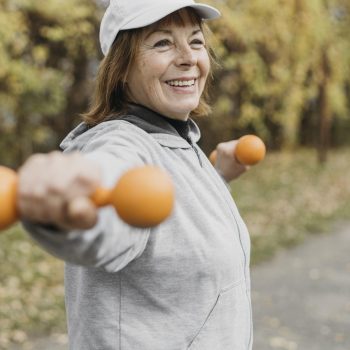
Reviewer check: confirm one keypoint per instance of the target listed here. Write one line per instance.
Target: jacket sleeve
(111, 244)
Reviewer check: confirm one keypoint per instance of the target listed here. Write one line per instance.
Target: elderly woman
(181, 285)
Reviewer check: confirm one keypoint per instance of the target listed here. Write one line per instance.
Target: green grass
(31, 289)
(282, 200)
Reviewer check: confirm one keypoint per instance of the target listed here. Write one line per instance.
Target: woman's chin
(184, 108)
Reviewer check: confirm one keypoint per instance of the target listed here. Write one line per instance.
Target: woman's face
(170, 71)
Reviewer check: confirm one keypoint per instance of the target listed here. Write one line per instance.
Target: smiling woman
(171, 69)
(183, 284)
(137, 52)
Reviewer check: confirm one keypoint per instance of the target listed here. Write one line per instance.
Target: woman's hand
(54, 189)
(226, 164)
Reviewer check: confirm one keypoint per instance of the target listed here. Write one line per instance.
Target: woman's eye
(197, 43)
(163, 43)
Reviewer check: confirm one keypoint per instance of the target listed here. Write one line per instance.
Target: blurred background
(283, 73)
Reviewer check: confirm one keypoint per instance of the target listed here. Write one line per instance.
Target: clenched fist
(54, 189)
(226, 164)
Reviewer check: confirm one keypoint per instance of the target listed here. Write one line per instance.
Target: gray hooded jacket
(183, 285)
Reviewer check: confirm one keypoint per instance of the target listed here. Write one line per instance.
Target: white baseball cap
(131, 14)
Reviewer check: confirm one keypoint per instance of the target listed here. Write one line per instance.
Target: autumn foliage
(284, 72)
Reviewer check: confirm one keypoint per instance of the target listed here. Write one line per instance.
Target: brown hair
(110, 95)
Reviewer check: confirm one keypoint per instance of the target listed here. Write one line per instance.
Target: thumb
(81, 213)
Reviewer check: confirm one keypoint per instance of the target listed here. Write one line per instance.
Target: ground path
(301, 298)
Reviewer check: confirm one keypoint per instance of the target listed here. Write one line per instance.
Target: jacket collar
(158, 126)
(162, 128)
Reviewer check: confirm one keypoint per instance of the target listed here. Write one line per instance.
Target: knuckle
(82, 178)
(35, 159)
(23, 189)
(56, 187)
(55, 153)
(220, 146)
(85, 180)
(31, 163)
(55, 156)
(37, 193)
(26, 193)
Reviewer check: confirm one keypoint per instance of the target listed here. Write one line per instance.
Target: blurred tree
(46, 50)
(279, 57)
(284, 71)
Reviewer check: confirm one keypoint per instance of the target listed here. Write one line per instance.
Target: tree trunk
(325, 114)
(77, 96)
(22, 145)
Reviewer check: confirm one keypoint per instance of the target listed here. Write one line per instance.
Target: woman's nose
(185, 56)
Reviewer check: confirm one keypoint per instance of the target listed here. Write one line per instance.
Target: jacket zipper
(195, 151)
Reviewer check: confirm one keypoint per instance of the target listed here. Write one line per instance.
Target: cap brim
(153, 15)
(206, 11)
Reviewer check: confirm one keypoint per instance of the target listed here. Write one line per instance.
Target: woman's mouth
(181, 83)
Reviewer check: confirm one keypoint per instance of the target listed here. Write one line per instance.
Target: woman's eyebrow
(167, 31)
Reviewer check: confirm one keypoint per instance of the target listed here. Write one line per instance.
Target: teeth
(181, 82)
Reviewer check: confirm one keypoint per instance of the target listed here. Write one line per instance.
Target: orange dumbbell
(143, 197)
(249, 150)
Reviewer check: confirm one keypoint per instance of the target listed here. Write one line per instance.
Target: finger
(30, 212)
(56, 209)
(81, 213)
(30, 203)
(35, 212)
(227, 149)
